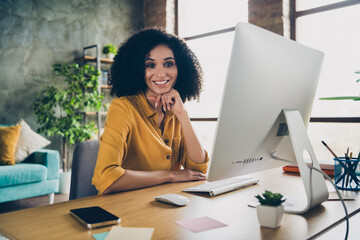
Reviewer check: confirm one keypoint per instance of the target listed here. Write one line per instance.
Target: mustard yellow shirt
(132, 140)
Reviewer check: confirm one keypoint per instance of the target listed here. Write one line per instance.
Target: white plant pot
(109, 56)
(65, 180)
(271, 217)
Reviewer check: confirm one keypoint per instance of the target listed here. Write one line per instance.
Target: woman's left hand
(171, 101)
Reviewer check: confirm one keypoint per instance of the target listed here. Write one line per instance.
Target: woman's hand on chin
(170, 101)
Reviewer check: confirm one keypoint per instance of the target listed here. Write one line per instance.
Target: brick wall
(159, 13)
(154, 13)
(272, 15)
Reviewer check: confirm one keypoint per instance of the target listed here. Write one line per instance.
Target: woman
(148, 135)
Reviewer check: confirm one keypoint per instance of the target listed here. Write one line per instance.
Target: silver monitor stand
(314, 183)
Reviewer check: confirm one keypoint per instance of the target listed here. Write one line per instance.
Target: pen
(329, 149)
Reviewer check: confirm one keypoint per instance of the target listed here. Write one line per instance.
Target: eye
(149, 65)
(169, 64)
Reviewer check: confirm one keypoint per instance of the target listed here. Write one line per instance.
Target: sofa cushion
(29, 142)
(22, 173)
(8, 139)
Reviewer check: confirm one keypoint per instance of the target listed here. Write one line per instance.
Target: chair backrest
(83, 165)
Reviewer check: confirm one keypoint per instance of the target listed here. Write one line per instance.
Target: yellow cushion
(9, 137)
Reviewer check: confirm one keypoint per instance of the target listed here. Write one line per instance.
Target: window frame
(294, 15)
(194, 37)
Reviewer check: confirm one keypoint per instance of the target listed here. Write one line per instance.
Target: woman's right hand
(187, 175)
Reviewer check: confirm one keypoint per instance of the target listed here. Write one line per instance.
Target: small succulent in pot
(270, 199)
(270, 212)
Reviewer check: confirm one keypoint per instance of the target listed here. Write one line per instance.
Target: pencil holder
(347, 174)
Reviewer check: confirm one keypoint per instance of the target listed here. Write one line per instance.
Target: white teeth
(161, 82)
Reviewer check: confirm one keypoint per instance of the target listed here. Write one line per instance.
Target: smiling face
(160, 71)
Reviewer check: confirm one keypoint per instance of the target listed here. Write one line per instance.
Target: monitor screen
(267, 73)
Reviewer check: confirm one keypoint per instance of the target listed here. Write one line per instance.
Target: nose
(160, 72)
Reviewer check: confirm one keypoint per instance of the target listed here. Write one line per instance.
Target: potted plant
(60, 109)
(270, 212)
(109, 50)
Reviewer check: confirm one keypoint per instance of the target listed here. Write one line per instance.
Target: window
(311, 4)
(328, 25)
(331, 26)
(208, 28)
(203, 16)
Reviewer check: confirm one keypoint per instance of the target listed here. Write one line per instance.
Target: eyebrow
(151, 59)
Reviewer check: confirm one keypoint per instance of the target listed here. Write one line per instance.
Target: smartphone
(93, 217)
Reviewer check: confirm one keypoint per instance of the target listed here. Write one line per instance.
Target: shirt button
(168, 157)
(166, 141)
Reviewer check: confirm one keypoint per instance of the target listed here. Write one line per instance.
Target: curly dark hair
(127, 73)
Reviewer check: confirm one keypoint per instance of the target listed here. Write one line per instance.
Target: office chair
(83, 165)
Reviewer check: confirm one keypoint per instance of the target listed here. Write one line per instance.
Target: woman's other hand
(186, 175)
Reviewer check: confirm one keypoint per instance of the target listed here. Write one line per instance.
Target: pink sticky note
(200, 224)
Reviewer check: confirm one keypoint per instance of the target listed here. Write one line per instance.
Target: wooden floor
(30, 202)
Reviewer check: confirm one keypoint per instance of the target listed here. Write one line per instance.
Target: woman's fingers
(155, 99)
(197, 175)
(158, 99)
(151, 98)
(169, 102)
(201, 175)
(188, 175)
(164, 103)
(169, 99)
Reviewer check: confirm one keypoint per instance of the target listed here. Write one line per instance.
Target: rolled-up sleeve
(189, 164)
(113, 148)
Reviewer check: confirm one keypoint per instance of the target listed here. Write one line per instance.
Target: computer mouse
(174, 199)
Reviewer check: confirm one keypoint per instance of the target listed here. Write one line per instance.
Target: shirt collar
(148, 110)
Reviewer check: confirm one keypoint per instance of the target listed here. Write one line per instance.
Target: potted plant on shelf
(109, 50)
(270, 212)
(60, 110)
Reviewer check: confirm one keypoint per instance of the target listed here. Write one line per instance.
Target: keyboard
(222, 186)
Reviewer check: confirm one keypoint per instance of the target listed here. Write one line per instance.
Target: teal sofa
(37, 175)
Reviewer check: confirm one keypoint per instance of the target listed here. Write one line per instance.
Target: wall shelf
(99, 63)
(95, 113)
(93, 59)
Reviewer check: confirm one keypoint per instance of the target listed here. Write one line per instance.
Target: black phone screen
(93, 215)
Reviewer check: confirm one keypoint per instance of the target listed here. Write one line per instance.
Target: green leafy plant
(110, 48)
(270, 199)
(60, 109)
(355, 98)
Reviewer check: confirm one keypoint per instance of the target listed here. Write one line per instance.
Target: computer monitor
(269, 92)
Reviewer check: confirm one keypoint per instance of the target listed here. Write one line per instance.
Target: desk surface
(139, 209)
